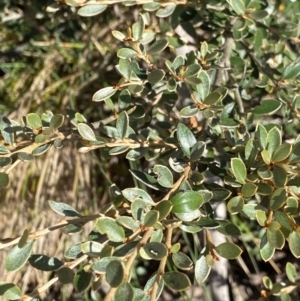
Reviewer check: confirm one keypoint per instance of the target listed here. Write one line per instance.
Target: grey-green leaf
(157, 46)
(177, 281)
(104, 93)
(186, 139)
(10, 291)
(17, 257)
(90, 10)
(63, 209)
(229, 250)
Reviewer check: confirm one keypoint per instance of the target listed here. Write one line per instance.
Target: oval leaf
(176, 281)
(239, 170)
(63, 209)
(86, 132)
(186, 202)
(10, 291)
(228, 250)
(17, 257)
(115, 273)
(158, 46)
(104, 93)
(90, 10)
(186, 139)
(110, 227)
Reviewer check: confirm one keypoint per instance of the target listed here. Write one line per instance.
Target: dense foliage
(205, 110)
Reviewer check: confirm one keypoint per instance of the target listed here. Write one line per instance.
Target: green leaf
(125, 70)
(151, 218)
(45, 263)
(25, 157)
(63, 209)
(100, 265)
(228, 250)
(182, 261)
(122, 124)
(186, 202)
(157, 46)
(267, 107)
(34, 120)
(248, 190)
(165, 11)
(118, 150)
(118, 35)
(151, 6)
(4, 180)
(171, 85)
(259, 15)
(294, 243)
(276, 239)
(239, 170)
(266, 250)
(189, 111)
(104, 93)
(192, 70)
(278, 198)
(115, 273)
(192, 80)
(110, 227)
(238, 6)
(73, 252)
(91, 248)
(279, 176)
(65, 275)
(291, 272)
(212, 98)
(124, 292)
(155, 76)
(90, 10)
(235, 204)
(136, 193)
(176, 281)
(164, 208)
(10, 291)
(164, 175)
(82, 280)
(274, 140)
(261, 217)
(291, 71)
(128, 222)
(202, 269)
(148, 286)
(57, 121)
(154, 251)
(148, 180)
(186, 139)
(250, 210)
(282, 152)
(4, 150)
(261, 135)
(138, 29)
(17, 257)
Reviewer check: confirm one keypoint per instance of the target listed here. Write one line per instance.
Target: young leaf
(239, 170)
(57, 121)
(63, 209)
(228, 250)
(186, 139)
(238, 6)
(17, 257)
(291, 272)
(165, 11)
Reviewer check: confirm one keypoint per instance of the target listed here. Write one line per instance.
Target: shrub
(198, 129)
